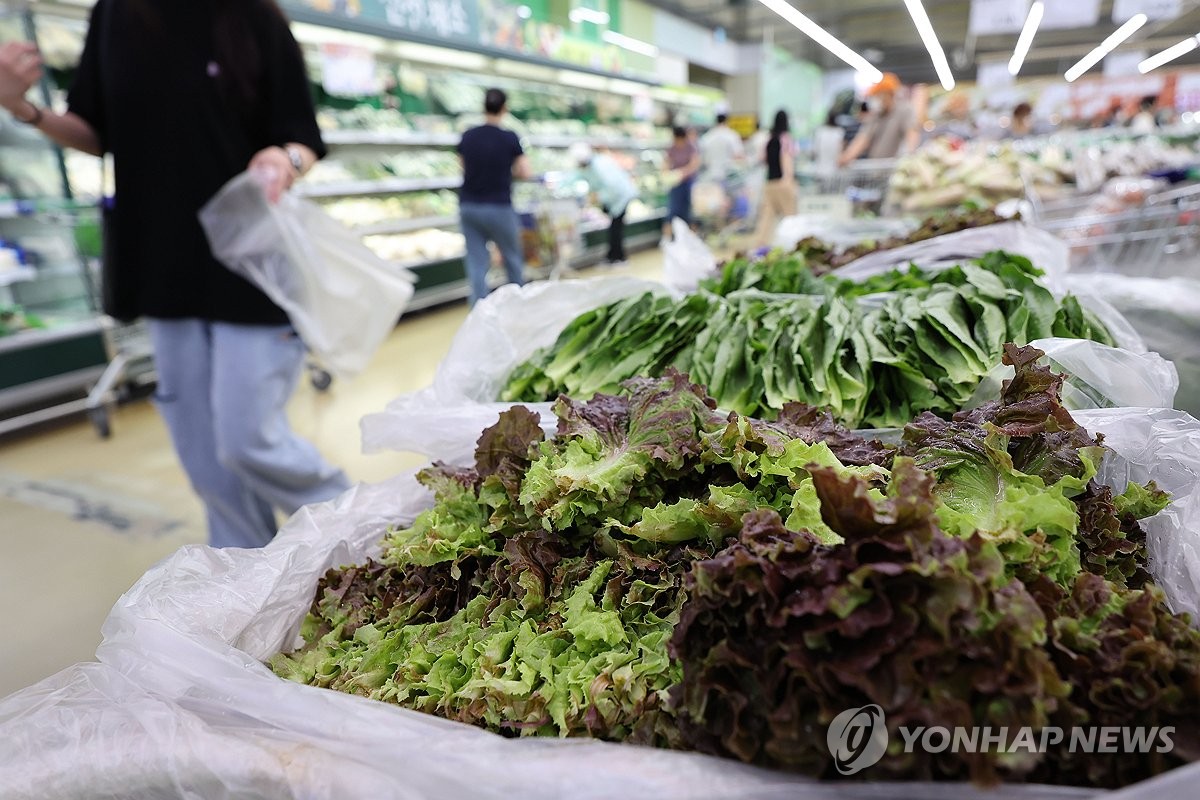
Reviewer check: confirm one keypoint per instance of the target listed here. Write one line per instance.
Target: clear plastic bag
(342, 299)
(687, 259)
(1165, 313)
(181, 705)
(443, 420)
(837, 231)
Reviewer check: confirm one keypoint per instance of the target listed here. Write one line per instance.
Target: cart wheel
(100, 421)
(320, 379)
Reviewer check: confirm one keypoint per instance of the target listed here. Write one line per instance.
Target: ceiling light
(1107, 46)
(588, 15)
(1026, 38)
(1170, 54)
(630, 44)
(929, 38)
(824, 38)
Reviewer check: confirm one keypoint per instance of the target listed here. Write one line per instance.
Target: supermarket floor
(82, 518)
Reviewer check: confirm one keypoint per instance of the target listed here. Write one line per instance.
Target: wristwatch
(296, 157)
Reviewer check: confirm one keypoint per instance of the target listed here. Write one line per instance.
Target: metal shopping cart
(857, 188)
(551, 229)
(1157, 237)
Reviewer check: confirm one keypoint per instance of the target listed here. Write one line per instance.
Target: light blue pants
(483, 223)
(222, 390)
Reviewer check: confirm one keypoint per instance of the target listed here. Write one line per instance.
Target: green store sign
(491, 25)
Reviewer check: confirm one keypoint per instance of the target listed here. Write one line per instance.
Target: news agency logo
(857, 738)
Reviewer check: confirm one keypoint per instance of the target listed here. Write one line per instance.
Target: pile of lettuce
(806, 270)
(663, 574)
(874, 361)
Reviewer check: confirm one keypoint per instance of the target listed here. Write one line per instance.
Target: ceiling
(885, 26)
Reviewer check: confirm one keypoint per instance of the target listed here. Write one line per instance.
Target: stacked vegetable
(659, 573)
(948, 174)
(874, 361)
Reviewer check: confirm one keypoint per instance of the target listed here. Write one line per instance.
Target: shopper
(185, 96)
(956, 118)
(682, 164)
(890, 129)
(491, 157)
(779, 195)
(1144, 121)
(615, 190)
(1022, 121)
(722, 151)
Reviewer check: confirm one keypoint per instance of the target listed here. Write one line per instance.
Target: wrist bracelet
(35, 120)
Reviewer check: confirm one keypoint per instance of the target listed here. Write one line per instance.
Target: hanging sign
(1123, 10)
(997, 16)
(1124, 63)
(993, 75)
(1068, 14)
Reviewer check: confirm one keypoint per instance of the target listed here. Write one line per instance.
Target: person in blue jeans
(230, 93)
(682, 162)
(492, 157)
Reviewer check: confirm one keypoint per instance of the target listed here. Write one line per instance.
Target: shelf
(428, 262)
(593, 227)
(383, 186)
(405, 225)
(417, 139)
(17, 276)
(37, 336)
(459, 290)
(389, 138)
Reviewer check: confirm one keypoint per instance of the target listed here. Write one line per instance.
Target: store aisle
(82, 518)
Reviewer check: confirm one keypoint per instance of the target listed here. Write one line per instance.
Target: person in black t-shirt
(185, 96)
(491, 157)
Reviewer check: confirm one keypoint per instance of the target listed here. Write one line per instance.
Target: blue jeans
(487, 222)
(679, 202)
(222, 390)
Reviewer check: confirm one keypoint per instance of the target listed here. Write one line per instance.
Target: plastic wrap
(1165, 312)
(686, 259)
(342, 299)
(501, 331)
(181, 706)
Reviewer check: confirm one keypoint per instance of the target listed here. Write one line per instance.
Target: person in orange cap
(891, 128)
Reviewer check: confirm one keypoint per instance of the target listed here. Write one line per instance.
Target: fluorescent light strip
(929, 38)
(1026, 38)
(630, 44)
(824, 38)
(589, 15)
(1170, 54)
(1104, 48)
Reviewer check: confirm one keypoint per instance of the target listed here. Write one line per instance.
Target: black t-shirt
(150, 84)
(775, 158)
(488, 153)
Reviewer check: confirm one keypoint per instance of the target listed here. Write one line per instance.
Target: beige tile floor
(82, 518)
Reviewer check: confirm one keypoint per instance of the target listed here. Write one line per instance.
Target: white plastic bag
(1045, 250)
(837, 231)
(443, 420)
(1098, 376)
(181, 706)
(342, 299)
(1165, 312)
(686, 259)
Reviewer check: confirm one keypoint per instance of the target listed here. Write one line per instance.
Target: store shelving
(406, 225)
(375, 187)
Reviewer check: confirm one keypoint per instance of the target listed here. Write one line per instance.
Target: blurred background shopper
(492, 157)
(779, 194)
(682, 163)
(614, 189)
(890, 128)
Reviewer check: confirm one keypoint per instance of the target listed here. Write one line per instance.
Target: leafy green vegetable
(873, 361)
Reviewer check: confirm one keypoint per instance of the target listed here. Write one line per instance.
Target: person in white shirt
(721, 150)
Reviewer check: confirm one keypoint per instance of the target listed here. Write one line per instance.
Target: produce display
(663, 574)
(945, 173)
(362, 211)
(412, 164)
(430, 244)
(793, 273)
(14, 319)
(873, 361)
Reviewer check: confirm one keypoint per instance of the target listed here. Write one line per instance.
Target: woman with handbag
(185, 96)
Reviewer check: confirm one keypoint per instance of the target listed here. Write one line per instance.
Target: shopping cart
(857, 188)
(721, 205)
(551, 230)
(1154, 238)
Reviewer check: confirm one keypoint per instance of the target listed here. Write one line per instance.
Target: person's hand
(20, 69)
(274, 170)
